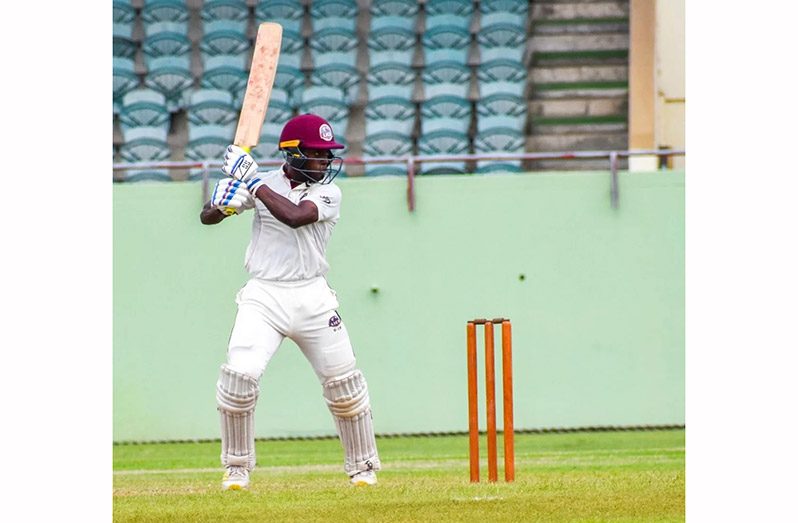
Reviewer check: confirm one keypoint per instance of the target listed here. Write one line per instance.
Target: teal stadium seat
(453, 78)
(443, 140)
(164, 11)
(391, 79)
(445, 43)
(212, 106)
(144, 108)
(340, 76)
(391, 41)
(459, 8)
(170, 75)
(341, 14)
(291, 80)
(457, 111)
(235, 11)
(448, 19)
(501, 75)
(387, 143)
(165, 39)
(123, 15)
(268, 142)
(144, 144)
(124, 47)
(288, 13)
(499, 133)
(502, 35)
(226, 73)
(511, 6)
(125, 79)
(334, 45)
(326, 102)
(390, 114)
(403, 8)
(291, 49)
(224, 37)
(208, 143)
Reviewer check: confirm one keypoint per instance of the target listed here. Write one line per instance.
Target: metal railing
(410, 161)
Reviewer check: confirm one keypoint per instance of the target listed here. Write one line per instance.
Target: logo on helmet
(325, 132)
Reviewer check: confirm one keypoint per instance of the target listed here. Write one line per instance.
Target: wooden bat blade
(259, 85)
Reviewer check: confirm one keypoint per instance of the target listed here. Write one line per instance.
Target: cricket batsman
(296, 207)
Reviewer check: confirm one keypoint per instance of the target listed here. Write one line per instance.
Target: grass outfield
(603, 476)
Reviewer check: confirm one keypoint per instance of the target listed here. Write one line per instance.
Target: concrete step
(595, 90)
(579, 126)
(579, 42)
(577, 142)
(577, 27)
(582, 73)
(576, 10)
(577, 58)
(566, 107)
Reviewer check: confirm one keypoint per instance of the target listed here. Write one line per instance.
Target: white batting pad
(348, 399)
(236, 396)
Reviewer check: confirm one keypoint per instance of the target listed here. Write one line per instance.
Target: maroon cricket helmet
(308, 131)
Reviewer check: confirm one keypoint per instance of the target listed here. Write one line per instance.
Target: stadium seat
(511, 6)
(334, 46)
(501, 104)
(125, 79)
(267, 147)
(164, 11)
(340, 76)
(501, 75)
(292, 43)
(291, 80)
(288, 13)
(445, 43)
(171, 76)
(223, 38)
(445, 111)
(144, 144)
(388, 143)
(445, 18)
(165, 41)
(341, 14)
(124, 15)
(212, 106)
(499, 134)
(408, 23)
(390, 44)
(208, 142)
(235, 11)
(390, 114)
(391, 79)
(451, 78)
(124, 47)
(501, 36)
(226, 73)
(404, 8)
(326, 102)
(144, 108)
(443, 142)
(460, 8)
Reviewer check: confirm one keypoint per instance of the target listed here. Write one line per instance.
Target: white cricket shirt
(278, 252)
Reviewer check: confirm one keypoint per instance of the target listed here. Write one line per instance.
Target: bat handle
(229, 211)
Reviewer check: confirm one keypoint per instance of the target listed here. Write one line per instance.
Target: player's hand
(241, 166)
(231, 196)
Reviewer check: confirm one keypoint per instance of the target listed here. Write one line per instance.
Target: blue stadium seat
(171, 76)
(292, 43)
(446, 43)
(501, 36)
(387, 143)
(125, 79)
(447, 18)
(223, 38)
(443, 142)
(144, 108)
(268, 143)
(461, 8)
(511, 6)
(390, 43)
(164, 40)
(391, 79)
(501, 76)
(325, 14)
(326, 102)
(291, 80)
(408, 22)
(341, 76)
(499, 133)
(124, 47)
(164, 11)
(226, 73)
(390, 114)
(145, 144)
(501, 103)
(451, 78)
(208, 142)
(124, 15)
(235, 11)
(288, 13)
(334, 46)
(445, 111)
(212, 106)
(406, 8)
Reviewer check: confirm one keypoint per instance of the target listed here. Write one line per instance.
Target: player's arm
(285, 210)
(210, 215)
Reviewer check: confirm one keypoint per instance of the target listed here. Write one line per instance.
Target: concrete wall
(596, 297)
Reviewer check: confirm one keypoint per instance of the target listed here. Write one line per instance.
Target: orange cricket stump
(490, 399)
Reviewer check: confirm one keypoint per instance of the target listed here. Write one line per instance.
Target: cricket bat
(259, 87)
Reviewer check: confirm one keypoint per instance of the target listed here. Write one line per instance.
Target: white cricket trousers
(304, 311)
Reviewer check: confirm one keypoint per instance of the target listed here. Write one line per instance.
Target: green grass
(607, 476)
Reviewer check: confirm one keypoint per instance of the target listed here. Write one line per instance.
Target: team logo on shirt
(325, 199)
(335, 321)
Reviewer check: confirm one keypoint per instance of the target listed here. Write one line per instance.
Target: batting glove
(241, 166)
(231, 196)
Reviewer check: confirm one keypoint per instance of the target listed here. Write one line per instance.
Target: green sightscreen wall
(595, 294)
